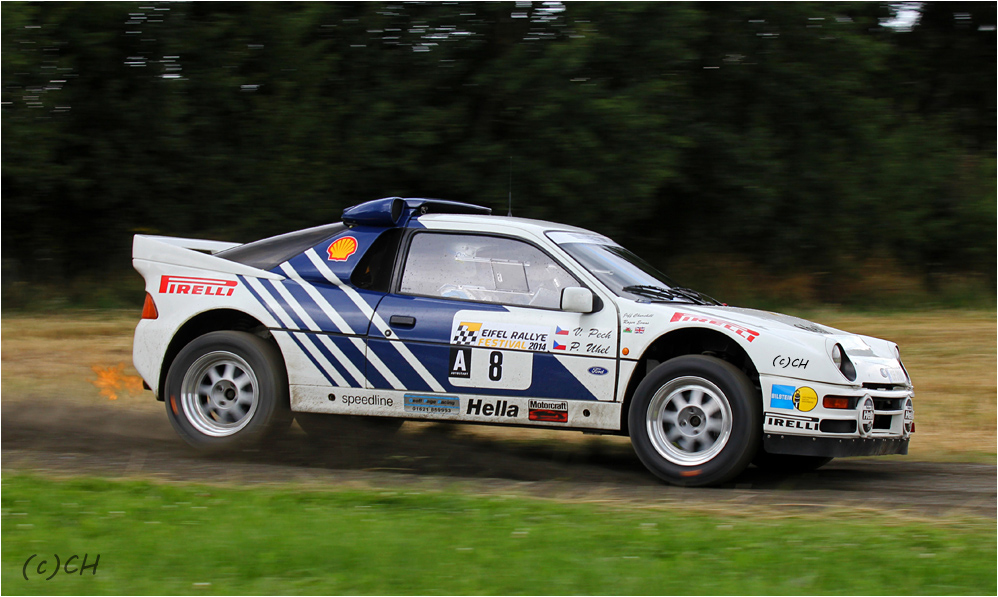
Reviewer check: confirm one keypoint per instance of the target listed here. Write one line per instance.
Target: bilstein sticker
(803, 399)
(782, 397)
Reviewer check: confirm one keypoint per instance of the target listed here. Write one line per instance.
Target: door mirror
(576, 299)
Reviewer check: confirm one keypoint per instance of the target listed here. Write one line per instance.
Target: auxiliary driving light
(866, 416)
(909, 416)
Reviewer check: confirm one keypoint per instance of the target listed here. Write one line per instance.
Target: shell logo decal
(342, 248)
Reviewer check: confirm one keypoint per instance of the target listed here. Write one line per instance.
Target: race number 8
(495, 365)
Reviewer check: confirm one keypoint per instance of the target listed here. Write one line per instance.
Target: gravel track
(56, 437)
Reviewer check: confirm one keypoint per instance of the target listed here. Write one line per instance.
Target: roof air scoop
(443, 206)
(383, 213)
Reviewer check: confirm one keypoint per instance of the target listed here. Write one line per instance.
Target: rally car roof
(473, 221)
(404, 212)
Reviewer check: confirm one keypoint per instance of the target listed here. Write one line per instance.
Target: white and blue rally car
(425, 309)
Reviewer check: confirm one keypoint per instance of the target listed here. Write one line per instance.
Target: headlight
(841, 360)
(837, 356)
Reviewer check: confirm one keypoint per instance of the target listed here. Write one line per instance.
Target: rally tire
(789, 463)
(227, 390)
(695, 420)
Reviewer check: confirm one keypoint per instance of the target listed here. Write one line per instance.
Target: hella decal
(341, 249)
(598, 371)
(488, 409)
(203, 286)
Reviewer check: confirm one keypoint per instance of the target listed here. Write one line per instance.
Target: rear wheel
(695, 420)
(227, 389)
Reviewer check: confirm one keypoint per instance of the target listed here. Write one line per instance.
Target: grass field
(184, 538)
(951, 356)
(156, 538)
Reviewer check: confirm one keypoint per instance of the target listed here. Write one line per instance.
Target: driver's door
(478, 316)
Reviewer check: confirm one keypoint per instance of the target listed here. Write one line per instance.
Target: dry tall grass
(951, 356)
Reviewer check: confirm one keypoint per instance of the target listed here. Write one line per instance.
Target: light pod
(909, 416)
(866, 417)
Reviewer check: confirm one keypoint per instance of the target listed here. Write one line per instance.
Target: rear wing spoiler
(192, 252)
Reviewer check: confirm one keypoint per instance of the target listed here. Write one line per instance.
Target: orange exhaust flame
(111, 380)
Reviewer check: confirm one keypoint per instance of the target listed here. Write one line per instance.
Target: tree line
(794, 135)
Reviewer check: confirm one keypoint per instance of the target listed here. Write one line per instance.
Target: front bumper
(834, 447)
(877, 419)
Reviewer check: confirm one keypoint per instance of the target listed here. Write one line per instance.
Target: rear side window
(486, 269)
(270, 252)
(374, 270)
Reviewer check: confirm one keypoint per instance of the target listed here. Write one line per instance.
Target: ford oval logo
(598, 371)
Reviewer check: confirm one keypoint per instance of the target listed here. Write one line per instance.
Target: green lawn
(166, 538)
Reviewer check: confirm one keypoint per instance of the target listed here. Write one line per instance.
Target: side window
(483, 268)
(374, 270)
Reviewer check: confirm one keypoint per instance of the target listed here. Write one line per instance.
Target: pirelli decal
(202, 286)
(792, 422)
(741, 330)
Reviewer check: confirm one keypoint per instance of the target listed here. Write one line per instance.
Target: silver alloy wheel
(219, 393)
(689, 421)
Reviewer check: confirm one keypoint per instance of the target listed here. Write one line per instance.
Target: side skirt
(525, 412)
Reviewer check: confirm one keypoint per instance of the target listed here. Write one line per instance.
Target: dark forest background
(768, 153)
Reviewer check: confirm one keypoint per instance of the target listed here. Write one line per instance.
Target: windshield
(623, 272)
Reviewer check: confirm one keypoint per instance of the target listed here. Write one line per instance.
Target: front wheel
(227, 389)
(695, 420)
